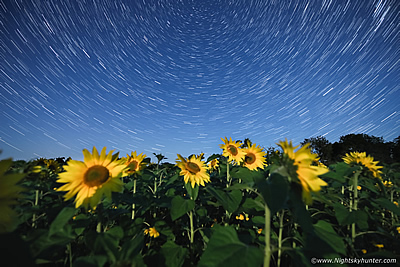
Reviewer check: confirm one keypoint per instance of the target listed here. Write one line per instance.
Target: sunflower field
(247, 206)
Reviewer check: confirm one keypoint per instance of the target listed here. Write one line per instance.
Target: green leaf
(341, 213)
(179, 207)
(131, 248)
(225, 249)
(106, 244)
(90, 261)
(370, 185)
(345, 217)
(274, 191)
(117, 233)
(172, 179)
(247, 175)
(341, 170)
(258, 220)
(174, 255)
(301, 215)
(41, 242)
(202, 212)
(5, 165)
(251, 205)
(192, 192)
(80, 223)
(387, 204)
(238, 187)
(229, 200)
(61, 220)
(325, 231)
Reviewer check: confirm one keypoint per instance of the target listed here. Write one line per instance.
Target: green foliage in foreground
(221, 224)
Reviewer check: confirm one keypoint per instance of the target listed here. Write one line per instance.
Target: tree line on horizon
(329, 153)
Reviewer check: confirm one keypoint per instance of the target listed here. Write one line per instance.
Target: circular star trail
(175, 76)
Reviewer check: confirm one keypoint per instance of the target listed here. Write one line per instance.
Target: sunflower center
(96, 175)
(250, 158)
(233, 150)
(213, 163)
(192, 167)
(133, 165)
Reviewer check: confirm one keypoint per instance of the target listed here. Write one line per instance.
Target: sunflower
(152, 232)
(41, 161)
(53, 166)
(388, 184)
(89, 180)
(134, 162)
(254, 157)
(368, 161)
(9, 194)
(306, 173)
(193, 170)
(232, 150)
(214, 164)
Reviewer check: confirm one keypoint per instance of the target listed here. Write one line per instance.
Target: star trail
(172, 76)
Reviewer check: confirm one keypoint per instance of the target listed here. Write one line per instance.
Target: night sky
(171, 77)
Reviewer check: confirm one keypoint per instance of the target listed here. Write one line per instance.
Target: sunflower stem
(280, 237)
(98, 227)
(394, 217)
(354, 205)
(342, 194)
(133, 205)
(191, 227)
(160, 180)
(228, 176)
(36, 203)
(294, 242)
(69, 249)
(267, 255)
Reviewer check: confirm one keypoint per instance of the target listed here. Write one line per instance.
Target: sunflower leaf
(225, 249)
(326, 232)
(5, 165)
(192, 192)
(274, 191)
(345, 217)
(179, 207)
(229, 200)
(387, 204)
(91, 261)
(61, 220)
(131, 248)
(174, 255)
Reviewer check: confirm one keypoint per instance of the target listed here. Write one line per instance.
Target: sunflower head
(254, 157)
(41, 162)
(194, 170)
(135, 163)
(53, 166)
(9, 194)
(213, 164)
(302, 161)
(368, 162)
(97, 175)
(232, 150)
(152, 232)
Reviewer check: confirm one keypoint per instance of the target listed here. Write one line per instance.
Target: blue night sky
(171, 77)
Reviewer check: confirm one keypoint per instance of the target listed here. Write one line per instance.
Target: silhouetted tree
(246, 143)
(372, 145)
(395, 150)
(322, 147)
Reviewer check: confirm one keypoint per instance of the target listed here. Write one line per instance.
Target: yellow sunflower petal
(98, 175)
